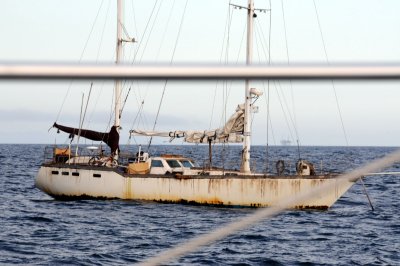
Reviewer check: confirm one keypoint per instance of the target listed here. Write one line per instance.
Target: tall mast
(117, 92)
(245, 167)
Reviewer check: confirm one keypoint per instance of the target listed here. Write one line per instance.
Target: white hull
(258, 191)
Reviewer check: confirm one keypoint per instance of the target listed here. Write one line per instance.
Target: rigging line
(80, 122)
(268, 89)
(333, 83)
(87, 104)
(290, 81)
(225, 90)
(265, 93)
(258, 30)
(97, 59)
(366, 193)
(126, 98)
(82, 118)
(136, 33)
(142, 117)
(118, 98)
(144, 32)
(133, 46)
(284, 28)
(261, 32)
(111, 112)
(166, 81)
(259, 42)
(91, 31)
(220, 61)
(262, 214)
(138, 114)
(124, 30)
(226, 60)
(102, 33)
(139, 101)
(98, 97)
(165, 30)
(151, 30)
(238, 57)
(213, 104)
(228, 36)
(269, 33)
(283, 111)
(134, 19)
(80, 59)
(238, 54)
(161, 43)
(227, 21)
(269, 119)
(289, 114)
(95, 104)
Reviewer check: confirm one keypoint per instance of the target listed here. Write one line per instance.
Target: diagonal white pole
(265, 213)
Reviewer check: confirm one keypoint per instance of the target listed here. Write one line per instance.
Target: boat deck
(205, 175)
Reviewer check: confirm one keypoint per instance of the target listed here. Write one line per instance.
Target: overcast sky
(84, 31)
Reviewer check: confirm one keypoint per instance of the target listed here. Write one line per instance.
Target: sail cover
(111, 138)
(232, 132)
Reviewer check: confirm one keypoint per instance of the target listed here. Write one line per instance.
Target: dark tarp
(111, 138)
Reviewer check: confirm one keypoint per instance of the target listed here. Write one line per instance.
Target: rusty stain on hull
(248, 191)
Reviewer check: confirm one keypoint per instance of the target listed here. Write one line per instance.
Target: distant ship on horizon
(286, 142)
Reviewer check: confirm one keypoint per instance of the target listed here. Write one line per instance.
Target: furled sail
(111, 138)
(232, 132)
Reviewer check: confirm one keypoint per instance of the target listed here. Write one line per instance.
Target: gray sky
(84, 31)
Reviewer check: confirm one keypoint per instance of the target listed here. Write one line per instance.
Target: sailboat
(175, 178)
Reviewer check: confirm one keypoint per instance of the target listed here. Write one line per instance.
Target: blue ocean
(38, 230)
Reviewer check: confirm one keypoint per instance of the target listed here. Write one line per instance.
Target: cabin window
(187, 164)
(156, 163)
(65, 173)
(54, 172)
(173, 163)
(96, 175)
(75, 174)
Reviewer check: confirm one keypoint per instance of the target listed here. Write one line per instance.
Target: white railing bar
(198, 72)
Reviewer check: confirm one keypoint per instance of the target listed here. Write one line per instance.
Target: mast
(117, 92)
(245, 167)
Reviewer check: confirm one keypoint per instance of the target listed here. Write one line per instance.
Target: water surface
(36, 229)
